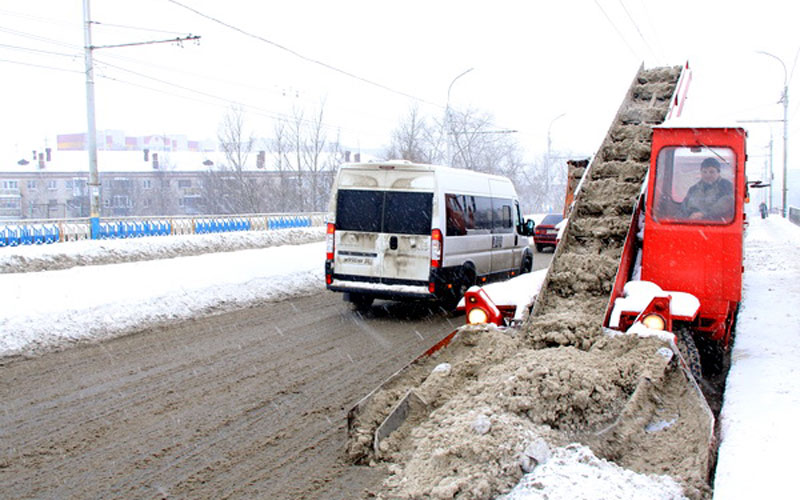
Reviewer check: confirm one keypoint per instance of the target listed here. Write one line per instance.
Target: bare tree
(231, 188)
(283, 190)
(475, 143)
(313, 159)
(413, 140)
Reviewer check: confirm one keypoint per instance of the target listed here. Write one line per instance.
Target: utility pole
(771, 175)
(547, 165)
(94, 178)
(785, 101)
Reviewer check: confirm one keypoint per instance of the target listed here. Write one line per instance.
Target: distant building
(159, 175)
(54, 184)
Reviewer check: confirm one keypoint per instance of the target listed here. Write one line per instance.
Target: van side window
(483, 213)
(503, 222)
(457, 215)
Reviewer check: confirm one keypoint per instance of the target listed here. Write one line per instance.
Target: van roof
(405, 164)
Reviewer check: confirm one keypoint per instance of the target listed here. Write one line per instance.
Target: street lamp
(547, 166)
(447, 123)
(785, 101)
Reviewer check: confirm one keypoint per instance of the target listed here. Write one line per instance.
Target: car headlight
(654, 322)
(477, 316)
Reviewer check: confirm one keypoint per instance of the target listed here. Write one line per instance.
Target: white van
(401, 230)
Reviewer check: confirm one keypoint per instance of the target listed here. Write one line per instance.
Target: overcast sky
(370, 61)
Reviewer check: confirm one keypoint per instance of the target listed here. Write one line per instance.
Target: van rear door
(407, 233)
(383, 236)
(359, 247)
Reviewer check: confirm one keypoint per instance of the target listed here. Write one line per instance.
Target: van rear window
(359, 210)
(407, 213)
(397, 212)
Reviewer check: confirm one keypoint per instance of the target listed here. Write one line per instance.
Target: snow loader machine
(631, 259)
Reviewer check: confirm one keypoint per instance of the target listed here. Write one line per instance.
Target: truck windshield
(694, 184)
(397, 212)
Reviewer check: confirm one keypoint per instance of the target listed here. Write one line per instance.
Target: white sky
(532, 62)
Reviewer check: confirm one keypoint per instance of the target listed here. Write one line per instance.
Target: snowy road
(247, 404)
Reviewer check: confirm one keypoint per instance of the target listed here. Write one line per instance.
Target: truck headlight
(477, 316)
(654, 322)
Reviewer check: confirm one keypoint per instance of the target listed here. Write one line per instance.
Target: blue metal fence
(39, 232)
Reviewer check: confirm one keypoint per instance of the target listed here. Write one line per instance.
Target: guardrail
(40, 232)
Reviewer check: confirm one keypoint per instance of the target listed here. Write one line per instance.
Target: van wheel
(466, 278)
(360, 301)
(527, 264)
(539, 247)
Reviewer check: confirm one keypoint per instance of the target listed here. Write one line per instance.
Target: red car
(546, 231)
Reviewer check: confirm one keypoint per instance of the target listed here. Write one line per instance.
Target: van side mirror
(528, 227)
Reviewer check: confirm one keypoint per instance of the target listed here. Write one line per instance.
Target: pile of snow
(573, 472)
(93, 252)
(49, 309)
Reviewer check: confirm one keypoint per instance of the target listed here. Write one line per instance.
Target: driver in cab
(711, 198)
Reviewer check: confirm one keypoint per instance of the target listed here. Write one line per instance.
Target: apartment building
(54, 184)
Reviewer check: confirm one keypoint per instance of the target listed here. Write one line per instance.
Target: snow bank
(31, 258)
(49, 309)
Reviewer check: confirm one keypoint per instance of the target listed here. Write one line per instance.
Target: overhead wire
(653, 30)
(301, 56)
(221, 101)
(42, 66)
(636, 26)
(613, 25)
(78, 54)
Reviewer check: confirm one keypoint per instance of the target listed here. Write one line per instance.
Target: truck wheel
(689, 352)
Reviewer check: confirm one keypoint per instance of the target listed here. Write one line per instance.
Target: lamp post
(447, 123)
(547, 166)
(785, 101)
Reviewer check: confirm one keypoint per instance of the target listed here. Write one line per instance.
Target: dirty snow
(48, 309)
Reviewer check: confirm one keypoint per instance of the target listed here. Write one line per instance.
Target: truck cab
(694, 220)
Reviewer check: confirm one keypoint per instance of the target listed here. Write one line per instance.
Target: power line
(615, 29)
(301, 56)
(39, 38)
(653, 29)
(225, 101)
(136, 28)
(41, 66)
(636, 25)
(39, 51)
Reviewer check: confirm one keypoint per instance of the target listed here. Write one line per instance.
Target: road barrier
(40, 232)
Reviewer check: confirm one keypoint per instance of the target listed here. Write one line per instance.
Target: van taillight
(330, 241)
(436, 248)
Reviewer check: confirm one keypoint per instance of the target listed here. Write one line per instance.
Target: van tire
(527, 264)
(465, 279)
(360, 301)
